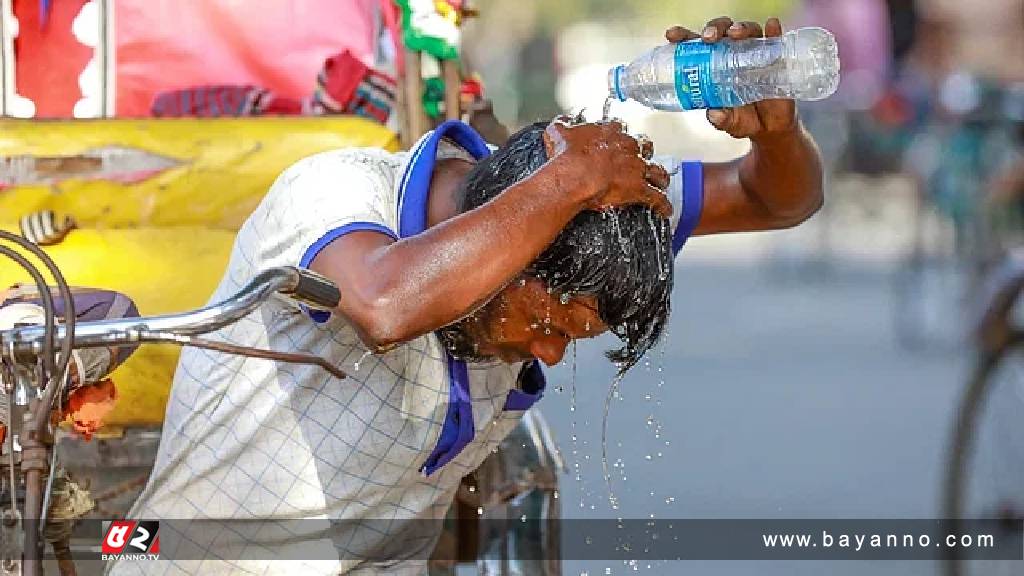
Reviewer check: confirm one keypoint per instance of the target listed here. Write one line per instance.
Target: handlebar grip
(314, 290)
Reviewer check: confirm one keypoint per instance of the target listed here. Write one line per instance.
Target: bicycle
(34, 362)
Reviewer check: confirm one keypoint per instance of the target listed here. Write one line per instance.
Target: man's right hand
(610, 163)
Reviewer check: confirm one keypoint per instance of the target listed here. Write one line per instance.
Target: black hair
(622, 256)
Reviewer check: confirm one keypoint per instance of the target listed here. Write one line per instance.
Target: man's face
(524, 322)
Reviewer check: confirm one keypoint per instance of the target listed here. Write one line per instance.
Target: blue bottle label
(693, 75)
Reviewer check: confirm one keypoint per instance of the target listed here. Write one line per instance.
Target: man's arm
(394, 291)
(779, 183)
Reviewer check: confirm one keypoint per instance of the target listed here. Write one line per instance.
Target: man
(458, 269)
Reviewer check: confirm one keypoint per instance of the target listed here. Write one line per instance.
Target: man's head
(606, 270)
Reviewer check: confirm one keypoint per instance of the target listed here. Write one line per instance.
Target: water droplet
(607, 571)
(547, 330)
(606, 110)
(534, 326)
(547, 320)
(472, 488)
(522, 281)
(555, 494)
(647, 457)
(480, 511)
(360, 361)
(670, 500)
(503, 319)
(564, 298)
(613, 391)
(522, 518)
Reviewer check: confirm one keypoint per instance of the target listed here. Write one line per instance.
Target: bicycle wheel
(985, 466)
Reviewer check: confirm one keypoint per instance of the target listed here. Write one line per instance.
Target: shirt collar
(414, 187)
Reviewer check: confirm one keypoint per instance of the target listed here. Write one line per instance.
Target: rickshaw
(122, 201)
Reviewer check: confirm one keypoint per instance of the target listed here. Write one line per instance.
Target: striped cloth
(43, 228)
(345, 85)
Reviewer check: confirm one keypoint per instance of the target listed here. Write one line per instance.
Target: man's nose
(548, 350)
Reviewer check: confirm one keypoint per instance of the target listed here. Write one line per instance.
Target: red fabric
(342, 74)
(283, 107)
(89, 405)
(165, 45)
(48, 60)
(472, 88)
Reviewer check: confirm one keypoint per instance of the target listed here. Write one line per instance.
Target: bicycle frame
(25, 350)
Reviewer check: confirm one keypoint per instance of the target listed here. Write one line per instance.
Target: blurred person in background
(959, 139)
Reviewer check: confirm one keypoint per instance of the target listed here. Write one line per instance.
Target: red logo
(136, 539)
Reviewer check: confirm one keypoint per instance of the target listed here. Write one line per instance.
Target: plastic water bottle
(802, 65)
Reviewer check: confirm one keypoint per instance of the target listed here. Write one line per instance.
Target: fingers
(656, 199)
(680, 34)
(651, 193)
(721, 118)
(741, 122)
(615, 126)
(744, 30)
(716, 29)
(657, 176)
(725, 27)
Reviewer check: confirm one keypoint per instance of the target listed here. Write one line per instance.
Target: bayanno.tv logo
(131, 540)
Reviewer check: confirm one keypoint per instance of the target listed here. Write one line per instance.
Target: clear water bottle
(802, 65)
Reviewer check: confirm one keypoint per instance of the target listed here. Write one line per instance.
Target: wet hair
(622, 257)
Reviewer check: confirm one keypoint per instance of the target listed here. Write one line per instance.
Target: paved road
(783, 397)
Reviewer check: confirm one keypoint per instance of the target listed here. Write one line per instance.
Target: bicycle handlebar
(300, 284)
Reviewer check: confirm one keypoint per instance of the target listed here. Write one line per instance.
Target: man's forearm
(783, 173)
(778, 184)
(395, 291)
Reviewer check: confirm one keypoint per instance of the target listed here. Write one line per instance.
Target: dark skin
(470, 266)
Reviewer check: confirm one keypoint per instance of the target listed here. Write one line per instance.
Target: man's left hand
(753, 120)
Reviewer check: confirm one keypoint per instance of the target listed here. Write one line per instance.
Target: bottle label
(693, 75)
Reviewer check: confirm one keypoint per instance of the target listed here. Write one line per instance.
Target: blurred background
(813, 372)
(817, 372)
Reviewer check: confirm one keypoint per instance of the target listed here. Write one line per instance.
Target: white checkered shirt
(246, 439)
